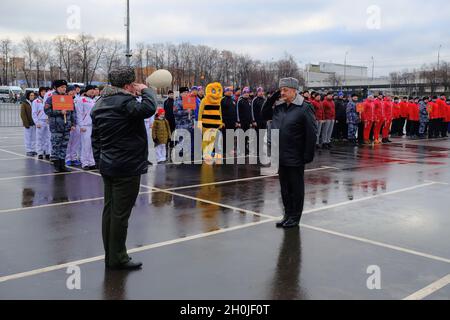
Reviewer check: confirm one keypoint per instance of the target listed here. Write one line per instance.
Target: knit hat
(122, 76)
(260, 89)
(246, 90)
(194, 88)
(228, 89)
(161, 112)
(289, 83)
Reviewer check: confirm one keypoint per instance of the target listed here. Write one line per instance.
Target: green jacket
(161, 131)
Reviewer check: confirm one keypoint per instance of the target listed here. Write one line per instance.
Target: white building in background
(324, 73)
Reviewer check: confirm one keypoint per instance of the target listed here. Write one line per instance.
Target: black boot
(291, 222)
(57, 165)
(62, 166)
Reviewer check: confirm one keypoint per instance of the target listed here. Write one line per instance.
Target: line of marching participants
(64, 137)
(378, 118)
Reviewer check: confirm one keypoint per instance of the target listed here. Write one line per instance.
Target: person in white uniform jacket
(84, 107)
(40, 118)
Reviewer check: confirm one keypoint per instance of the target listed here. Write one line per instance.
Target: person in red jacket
(318, 109)
(443, 125)
(409, 122)
(433, 111)
(378, 118)
(388, 110)
(395, 117)
(414, 118)
(329, 118)
(403, 116)
(447, 118)
(367, 116)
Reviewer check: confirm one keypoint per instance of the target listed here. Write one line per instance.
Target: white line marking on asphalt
(429, 290)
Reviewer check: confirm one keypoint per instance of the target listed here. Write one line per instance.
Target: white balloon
(160, 79)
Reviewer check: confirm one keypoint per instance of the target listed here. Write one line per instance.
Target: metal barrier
(10, 115)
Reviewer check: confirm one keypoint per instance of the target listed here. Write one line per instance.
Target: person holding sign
(59, 108)
(183, 110)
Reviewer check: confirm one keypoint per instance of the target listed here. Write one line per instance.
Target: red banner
(61, 103)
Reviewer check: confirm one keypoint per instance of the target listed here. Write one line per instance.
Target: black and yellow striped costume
(210, 118)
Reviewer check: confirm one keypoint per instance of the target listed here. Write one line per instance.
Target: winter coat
(297, 130)
(229, 113)
(161, 131)
(329, 111)
(423, 112)
(413, 114)
(56, 119)
(119, 137)
(352, 114)
(168, 108)
(26, 114)
(184, 119)
(257, 105)
(244, 112)
(341, 109)
(318, 110)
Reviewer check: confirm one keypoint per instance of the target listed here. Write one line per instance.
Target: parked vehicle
(11, 94)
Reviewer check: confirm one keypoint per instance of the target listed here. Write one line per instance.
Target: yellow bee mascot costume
(210, 120)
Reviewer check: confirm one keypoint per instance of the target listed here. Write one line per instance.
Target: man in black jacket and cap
(119, 142)
(296, 122)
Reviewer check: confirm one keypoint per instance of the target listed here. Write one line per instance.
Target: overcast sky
(406, 35)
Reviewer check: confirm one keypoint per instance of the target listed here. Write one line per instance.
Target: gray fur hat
(122, 76)
(289, 83)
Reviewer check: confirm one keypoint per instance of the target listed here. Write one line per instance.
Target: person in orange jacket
(367, 116)
(388, 114)
(414, 118)
(378, 118)
(442, 106)
(433, 111)
(403, 116)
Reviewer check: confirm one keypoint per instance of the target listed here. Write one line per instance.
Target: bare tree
(5, 51)
(28, 47)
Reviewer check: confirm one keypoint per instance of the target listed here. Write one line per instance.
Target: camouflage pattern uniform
(423, 118)
(352, 120)
(60, 130)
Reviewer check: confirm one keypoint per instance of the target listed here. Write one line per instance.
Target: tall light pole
(345, 68)
(439, 56)
(128, 53)
(373, 67)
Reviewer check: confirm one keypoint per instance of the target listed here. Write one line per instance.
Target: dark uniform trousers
(292, 189)
(120, 197)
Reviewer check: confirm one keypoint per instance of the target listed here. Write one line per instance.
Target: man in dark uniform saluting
(295, 119)
(119, 143)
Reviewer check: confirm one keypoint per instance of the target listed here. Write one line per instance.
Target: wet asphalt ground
(376, 226)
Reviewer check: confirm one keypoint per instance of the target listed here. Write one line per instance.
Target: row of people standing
(62, 136)
(239, 109)
(377, 118)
